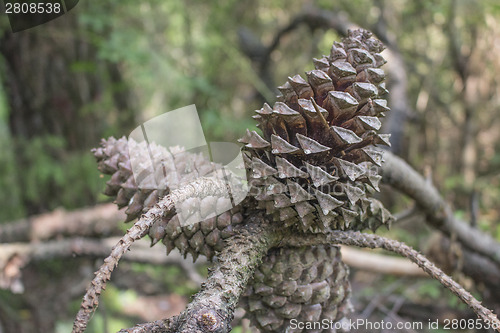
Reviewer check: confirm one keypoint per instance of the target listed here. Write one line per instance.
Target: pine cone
(316, 161)
(204, 237)
(306, 284)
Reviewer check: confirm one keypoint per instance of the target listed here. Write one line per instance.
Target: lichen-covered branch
(212, 308)
(397, 173)
(200, 188)
(357, 238)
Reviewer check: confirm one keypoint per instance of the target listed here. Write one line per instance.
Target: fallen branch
(212, 309)
(99, 221)
(15, 256)
(372, 241)
(199, 188)
(397, 173)
(379, 263)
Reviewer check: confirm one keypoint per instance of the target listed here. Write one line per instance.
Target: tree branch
(378, 263)
(314, 18)
(100, 220)
(199, 188)
(212, 309)
(15, 256)
(357, 238)
(397, 173)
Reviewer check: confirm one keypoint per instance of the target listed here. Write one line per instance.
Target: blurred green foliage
(11, 199)
(174, 53)
(169, 278)
(49, 176)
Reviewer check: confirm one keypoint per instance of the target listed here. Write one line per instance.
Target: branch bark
(212, 309)
(397, 173)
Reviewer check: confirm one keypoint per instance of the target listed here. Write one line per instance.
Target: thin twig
(200, 188)
(323, 120)
(359, 239)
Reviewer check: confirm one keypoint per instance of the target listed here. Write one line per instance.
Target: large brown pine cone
(316, 160)
(303, 284)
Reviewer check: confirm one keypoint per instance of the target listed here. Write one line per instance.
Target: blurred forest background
(109, 65)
